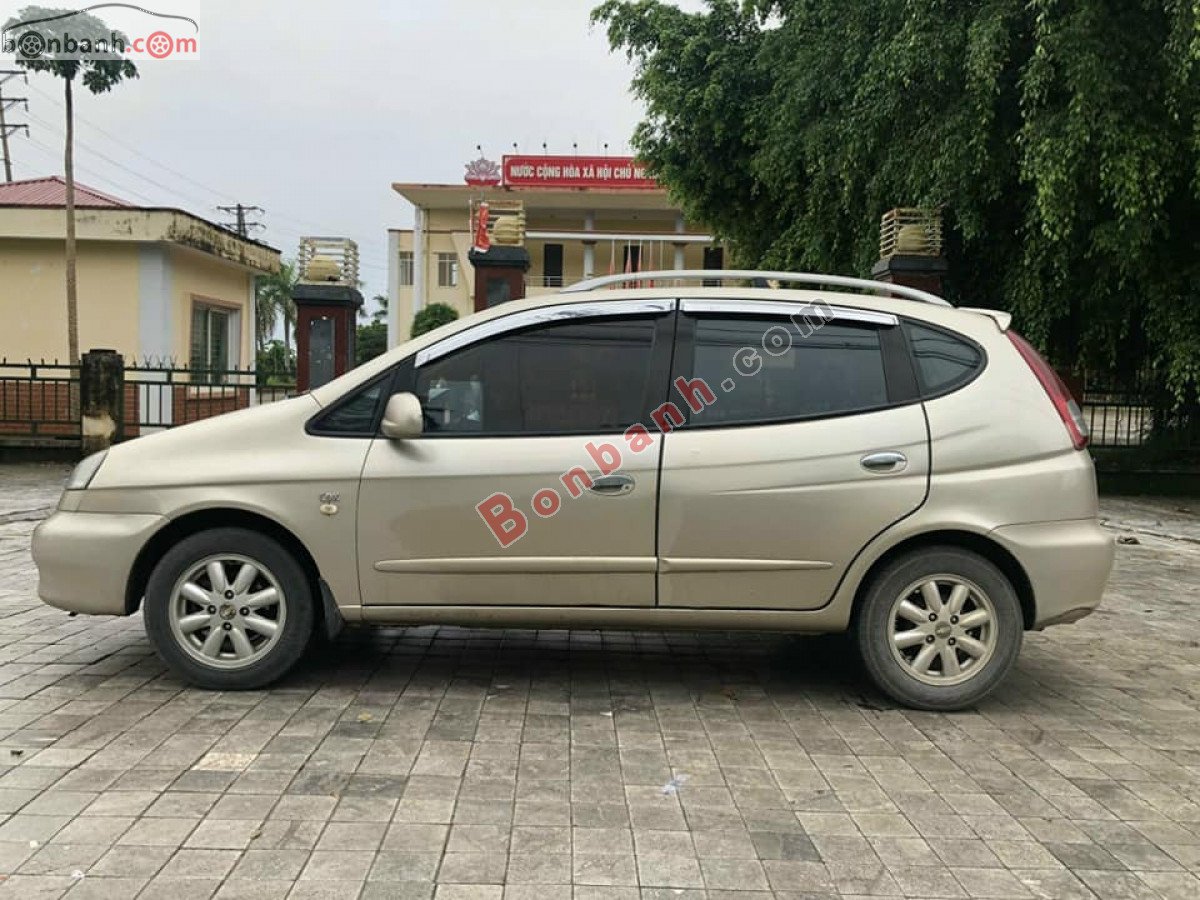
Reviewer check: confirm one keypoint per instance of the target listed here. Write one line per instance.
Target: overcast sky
(312, 110)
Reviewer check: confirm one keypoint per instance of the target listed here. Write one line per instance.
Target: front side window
(357, 414)
(210, 343)
(836, 369)
(447, 269)
(564, 378)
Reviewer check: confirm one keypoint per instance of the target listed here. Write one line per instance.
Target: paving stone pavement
(521, 765)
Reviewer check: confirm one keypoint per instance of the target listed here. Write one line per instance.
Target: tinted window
(943, 361)
(570, 377)
(356, 414)
(836, 369)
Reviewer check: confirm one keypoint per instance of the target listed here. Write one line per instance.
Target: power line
(118, 164)
(239, 224)
(212, 193)
(6, 128)
(102, 180)
(130, 149)
(302, 227)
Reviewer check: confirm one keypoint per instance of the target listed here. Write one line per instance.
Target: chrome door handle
(886, 461)
(612, 485)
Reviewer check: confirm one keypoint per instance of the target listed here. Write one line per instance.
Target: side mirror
(402, 417)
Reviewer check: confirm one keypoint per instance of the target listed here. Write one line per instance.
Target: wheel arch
(989, 549)
(217, 517)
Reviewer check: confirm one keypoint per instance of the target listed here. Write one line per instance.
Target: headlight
(83, 473)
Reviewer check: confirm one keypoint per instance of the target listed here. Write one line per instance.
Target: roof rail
(877, 287)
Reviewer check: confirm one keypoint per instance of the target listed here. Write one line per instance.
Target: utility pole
(7, 103)
(240, 225)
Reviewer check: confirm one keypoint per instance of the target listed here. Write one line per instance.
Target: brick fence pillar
(101, 383)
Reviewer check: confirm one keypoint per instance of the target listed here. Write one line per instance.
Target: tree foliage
(1061, 138)
(273, 303)
(370, 341)
(102, 71)
(435, 315)
(275, 364)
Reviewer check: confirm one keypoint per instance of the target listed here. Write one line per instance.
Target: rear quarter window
(944, 361)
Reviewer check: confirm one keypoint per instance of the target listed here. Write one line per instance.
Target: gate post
(101, 394)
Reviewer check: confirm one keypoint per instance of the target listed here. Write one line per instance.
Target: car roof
(936, 313)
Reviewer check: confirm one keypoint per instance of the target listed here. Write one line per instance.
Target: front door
(804, 439)
(523, 490)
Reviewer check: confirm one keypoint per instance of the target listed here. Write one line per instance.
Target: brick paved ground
(550, 765)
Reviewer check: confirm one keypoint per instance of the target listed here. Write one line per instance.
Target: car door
(522, 489)
(803, 438)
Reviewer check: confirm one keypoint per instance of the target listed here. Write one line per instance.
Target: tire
(913, 659)
(259, 640)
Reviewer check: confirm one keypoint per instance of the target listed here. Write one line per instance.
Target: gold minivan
(838, 454)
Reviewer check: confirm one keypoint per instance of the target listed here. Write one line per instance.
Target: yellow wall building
(158, 284)
(577, 225)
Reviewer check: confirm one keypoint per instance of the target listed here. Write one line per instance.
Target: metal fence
(158, 397)
(39, 401)
(1138, 416)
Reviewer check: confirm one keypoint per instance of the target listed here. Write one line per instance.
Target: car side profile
(635, 452)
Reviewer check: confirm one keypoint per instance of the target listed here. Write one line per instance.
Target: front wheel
(229, 609)
(939, 628)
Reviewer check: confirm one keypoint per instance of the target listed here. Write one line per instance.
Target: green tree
(276, 364)
(370, 341)
(100, 72)
(381, 308)
(1061, 140)
(435, 315)
(273, 303)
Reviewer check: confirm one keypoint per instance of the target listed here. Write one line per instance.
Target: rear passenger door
(803, 437)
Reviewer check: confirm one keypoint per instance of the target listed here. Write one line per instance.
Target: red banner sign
(576, 172)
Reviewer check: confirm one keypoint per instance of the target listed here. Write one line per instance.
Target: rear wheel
(939, 628)
(229, 609)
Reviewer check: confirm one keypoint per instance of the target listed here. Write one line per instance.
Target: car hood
(226, 448)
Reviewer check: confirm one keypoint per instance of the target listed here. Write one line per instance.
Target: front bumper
(84, 559)
(1067, 562)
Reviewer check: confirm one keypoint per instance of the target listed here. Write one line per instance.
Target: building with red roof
(153, 282)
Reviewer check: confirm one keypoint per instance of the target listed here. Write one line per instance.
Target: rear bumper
(1067, 562)
(84, 559)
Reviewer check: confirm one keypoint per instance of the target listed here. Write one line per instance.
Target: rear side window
(835, 370)
(944, 361)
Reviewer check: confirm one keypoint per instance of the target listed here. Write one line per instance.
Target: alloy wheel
(943, 629)
(227, 611)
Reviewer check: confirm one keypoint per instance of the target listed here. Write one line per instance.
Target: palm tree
(100, 73)
(266, 317)
(274, 302)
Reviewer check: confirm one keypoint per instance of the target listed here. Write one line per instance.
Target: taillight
(1068, 409)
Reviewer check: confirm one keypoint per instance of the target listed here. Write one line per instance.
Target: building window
(631, 260)
(447, 269)
(406, 268)
(552, 265)
(211, 327)
(714, 258)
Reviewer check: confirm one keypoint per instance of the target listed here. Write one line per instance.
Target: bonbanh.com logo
(73, 35)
